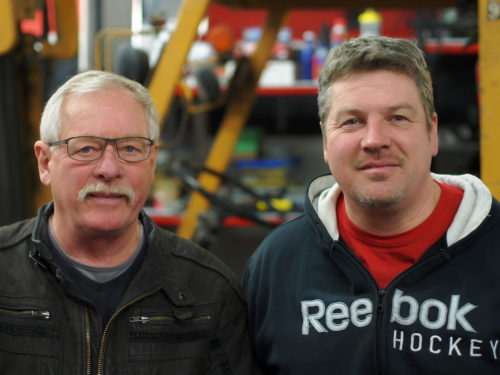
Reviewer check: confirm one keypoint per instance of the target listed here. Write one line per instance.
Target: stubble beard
(371, 201)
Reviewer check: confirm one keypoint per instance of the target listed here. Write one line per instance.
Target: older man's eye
(84, 150)
(129, 149)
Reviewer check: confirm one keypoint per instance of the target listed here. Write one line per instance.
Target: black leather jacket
(182, 313)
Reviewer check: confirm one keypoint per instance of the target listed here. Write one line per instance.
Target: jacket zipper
(379, 312)
(380, 332)
(87, 342)
(39, 314)
(100, 361)
(147, 319)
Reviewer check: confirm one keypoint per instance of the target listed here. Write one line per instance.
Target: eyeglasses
(87, 148)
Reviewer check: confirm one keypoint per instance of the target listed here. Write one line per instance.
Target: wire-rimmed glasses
(89, 148)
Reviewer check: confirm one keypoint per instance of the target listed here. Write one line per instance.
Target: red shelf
(300, 89)
(175, 220)
(296, 90)
(229, 221)
(452, 47)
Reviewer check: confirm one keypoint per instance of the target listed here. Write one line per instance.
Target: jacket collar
(475, 206)
(314, 194)
(165, 271)
(40, 253)
(159, 270)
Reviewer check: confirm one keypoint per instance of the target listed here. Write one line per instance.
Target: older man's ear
(42, 152)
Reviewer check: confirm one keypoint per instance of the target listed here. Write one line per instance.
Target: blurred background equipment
(235, 84)
(35, 37)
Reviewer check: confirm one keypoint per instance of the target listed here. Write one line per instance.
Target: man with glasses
(92, 285)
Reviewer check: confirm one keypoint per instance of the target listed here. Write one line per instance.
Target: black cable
(185, 170)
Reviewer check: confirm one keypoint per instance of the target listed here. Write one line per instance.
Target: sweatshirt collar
(323, 193)
(475, 206)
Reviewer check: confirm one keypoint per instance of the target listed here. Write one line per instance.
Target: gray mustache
(101, 187)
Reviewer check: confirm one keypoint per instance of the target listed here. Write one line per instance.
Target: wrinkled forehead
(112, 113)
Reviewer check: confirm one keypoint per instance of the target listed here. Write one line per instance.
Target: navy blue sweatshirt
(314, 309)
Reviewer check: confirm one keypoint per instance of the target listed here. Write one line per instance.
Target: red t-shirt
(385, 257)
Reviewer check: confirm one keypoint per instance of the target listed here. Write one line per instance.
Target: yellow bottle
(369, 23)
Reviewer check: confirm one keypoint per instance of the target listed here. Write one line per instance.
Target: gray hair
(89, 82)
(371, 54)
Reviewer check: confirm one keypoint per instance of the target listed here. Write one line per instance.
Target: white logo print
(337, 315)
(431, 313)
(453, 315)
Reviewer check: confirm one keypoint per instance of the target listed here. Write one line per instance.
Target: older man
(392, 270)
(92, 285)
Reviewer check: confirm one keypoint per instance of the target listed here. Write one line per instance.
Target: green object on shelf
(248, 145)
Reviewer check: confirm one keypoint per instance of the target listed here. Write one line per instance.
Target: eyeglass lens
(92, 148)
